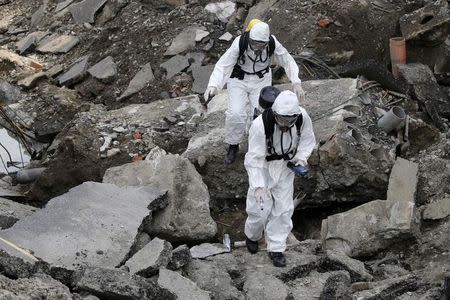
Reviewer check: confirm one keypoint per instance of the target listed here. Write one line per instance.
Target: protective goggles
(257, 45)
(285, 121)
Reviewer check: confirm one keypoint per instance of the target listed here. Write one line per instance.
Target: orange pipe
(397, 49)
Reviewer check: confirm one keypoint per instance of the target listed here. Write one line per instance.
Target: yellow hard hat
(252, 23)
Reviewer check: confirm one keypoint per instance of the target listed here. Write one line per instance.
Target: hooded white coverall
(275, 176)
(240, 91)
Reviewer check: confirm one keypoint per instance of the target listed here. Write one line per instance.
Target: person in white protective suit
(271, 183)
(246, 72)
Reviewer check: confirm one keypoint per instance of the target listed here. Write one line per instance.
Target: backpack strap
(269, 127)
(271, 46)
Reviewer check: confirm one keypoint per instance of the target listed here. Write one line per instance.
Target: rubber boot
(230, 157)
(252, 246)
(278, 259)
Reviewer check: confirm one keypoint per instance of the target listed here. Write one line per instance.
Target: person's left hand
(298, 90)
(301, 162)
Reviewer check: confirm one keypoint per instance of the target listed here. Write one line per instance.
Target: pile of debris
(132, 198)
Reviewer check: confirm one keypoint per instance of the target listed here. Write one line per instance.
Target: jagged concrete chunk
(32, 80)
(339, 261)
(205, 250)
(183, 41)
(437, 210)
(259, 10)
(201, 76)
(424, 87)
(9, 93)
(105, 70)
(30, 41)
(39, 286)
(389, 288)
(140, 81)
(37, 17)
(117, 284)
(92, 224)
(329, 285)
(147, 261)
(62, 5)
(214, 279)
(368, 228)
(223, 10)
(183, 288)
(181, 256)
(57, 44)
(187, 217)
(403, 181)
(175, 65)
(76, 72)
(263, 286)
(84, 11)
(11, 212)
(425, 19)
(226, 37)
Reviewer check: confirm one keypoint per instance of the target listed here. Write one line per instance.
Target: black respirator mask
(285, 121)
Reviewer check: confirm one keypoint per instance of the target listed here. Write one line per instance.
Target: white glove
(298, 90)
(260, 194)
(210, 91)
(301, 162)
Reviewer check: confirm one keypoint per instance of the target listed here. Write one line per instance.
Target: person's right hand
(259, 194)
(210, 91)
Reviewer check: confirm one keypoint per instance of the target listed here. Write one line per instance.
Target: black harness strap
(269, 128)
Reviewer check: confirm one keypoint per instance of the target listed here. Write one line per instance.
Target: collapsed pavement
(69, 86)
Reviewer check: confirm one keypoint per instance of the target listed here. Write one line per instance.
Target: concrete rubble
(370, 227)
(187, 217)
(153, 256)
(92, 102)
(11, 212)
(94, 214)
(182, 287)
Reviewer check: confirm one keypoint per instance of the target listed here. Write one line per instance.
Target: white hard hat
(260, 32)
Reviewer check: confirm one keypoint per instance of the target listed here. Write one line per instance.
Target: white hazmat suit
(274, 176)
(241, 91)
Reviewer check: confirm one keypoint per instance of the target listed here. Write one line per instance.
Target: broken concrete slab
(205, 250)
(223, 10)
(61, 5)
(184, 41)
(147, 261)
(76, 72)
(214, 279)
(57, 44)
(117, 284)
(195, 58)
(9, 93)
(37, 17)
(11, 212)
(187, 217)
(339, 261)
(32, 80)
(181, 256)
(105, 70)
(39, 286)
(226, 37)
(200, 34)
(263, 286)
(389, 288)
(201, 76)
(403, 181)
(182, 287)
(84, 11)
(368, 228)
(259, 11)
(427, 18)
(95, 215)
(175, 65)
(30, 41)
(139, 81)
(328, 285)
(437, 210)
(424, 87)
